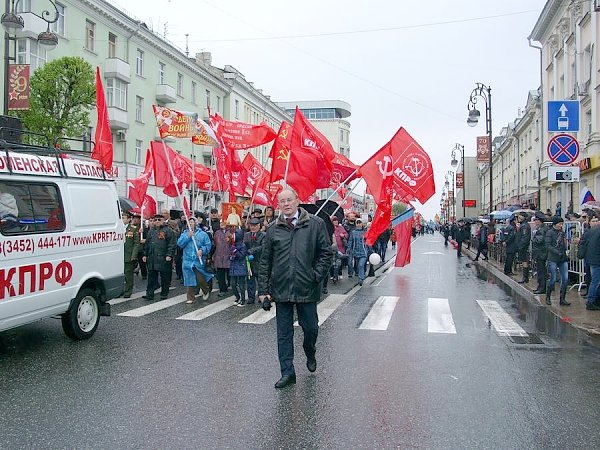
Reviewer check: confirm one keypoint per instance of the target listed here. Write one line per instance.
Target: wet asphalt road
(156, 382)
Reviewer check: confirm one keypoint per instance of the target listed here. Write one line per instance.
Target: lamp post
(451, 189)
(454, 164)
(484, 92)
(12, 23)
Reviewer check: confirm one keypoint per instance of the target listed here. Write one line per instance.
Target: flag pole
(175, 180)
(345, 197)
(335, 191)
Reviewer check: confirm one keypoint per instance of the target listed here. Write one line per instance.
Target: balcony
(117, 68)
(165, 93)
(117, 118)
(33, 25)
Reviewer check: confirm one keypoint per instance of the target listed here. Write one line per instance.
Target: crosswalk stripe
(153, 307)
(118, 301)
(209, 310)
(503, 323)
(380, 314)
(260, 317)
(439, 316)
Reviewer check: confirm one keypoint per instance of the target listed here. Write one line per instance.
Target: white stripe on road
(209, 310)
(260, 317)
(504, 324)
(118, 301)
(380, 315)
(439, 316)
(153, 307)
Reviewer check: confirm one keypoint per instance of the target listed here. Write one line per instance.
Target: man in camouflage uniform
(132, 245)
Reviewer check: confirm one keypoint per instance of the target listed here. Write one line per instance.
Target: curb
(546, 320)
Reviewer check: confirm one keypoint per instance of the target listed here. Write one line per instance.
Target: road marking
(380, 280)
(261, 316)
(209, 310)
(433, 253)
(153, 307)
(504, 324)
(380, 315)
(439, 316)
(118, 301)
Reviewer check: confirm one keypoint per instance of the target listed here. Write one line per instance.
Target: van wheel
(82, 318)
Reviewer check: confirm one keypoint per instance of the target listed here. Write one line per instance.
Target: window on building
(162, 71)
(138, 151)
(23, 6)
(341, 136)
(30, 52)
(586, 68)
(237, 109)
(58, 27)
(537, 129)
(180, 84)
(112, 45)
(218, 104)
(207, 98)
(139, 62)
(139, 108)
(194, 92)
(90, 35)
(588, 122)
(116, 93)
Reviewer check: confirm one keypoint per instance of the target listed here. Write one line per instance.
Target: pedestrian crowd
(541, 244)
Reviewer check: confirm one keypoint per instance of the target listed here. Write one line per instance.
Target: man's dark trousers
(308, 320)
(165, 282)
(540, 265)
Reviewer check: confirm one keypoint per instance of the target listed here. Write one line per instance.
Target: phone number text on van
(28, 245)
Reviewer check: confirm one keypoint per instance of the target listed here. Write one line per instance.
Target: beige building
(568, 33)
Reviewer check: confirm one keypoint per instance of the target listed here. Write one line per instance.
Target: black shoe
(285, 380)
(583, 293)
(523, 281)
(592, 307)
(564, 303)
(127, 296)
(222, 294)
(325, 292)
(311, 363)
(147, 297)
(163, 297)
(250, 302)
(539, 291)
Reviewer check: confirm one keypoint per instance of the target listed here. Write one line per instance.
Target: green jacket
(132, 243)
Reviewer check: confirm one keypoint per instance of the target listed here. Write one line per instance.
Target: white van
(61, 240)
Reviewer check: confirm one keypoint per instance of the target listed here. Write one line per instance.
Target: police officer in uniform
(132, 246)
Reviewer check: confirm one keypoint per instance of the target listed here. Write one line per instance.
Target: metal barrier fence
(573, 231)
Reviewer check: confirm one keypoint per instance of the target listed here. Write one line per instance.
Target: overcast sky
(397, 63)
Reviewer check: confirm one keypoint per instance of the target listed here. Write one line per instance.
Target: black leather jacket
(295, 261)
(523, 236)
(556, 243)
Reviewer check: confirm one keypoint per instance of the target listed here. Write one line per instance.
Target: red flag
(403, 159)
(255, 172)
(103, 146)
(137, 192)
(403, 230)
(241, 135)
(307, 139)
(183, 124)
(280, 151)
(186, 207)
(182, 167)
(261, 197)
(147, 208)
(380, 222)
(343, 170)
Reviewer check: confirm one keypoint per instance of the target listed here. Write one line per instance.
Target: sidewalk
(572, 321)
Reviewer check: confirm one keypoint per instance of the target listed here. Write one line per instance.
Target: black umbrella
(126, 204)
(325, 213)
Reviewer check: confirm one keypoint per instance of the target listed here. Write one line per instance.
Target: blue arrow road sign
(563, 115)
(563, 149)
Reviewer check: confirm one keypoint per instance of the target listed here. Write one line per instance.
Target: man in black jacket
(523, 241)
(296, 257)
(539, 253)
(510, 242)
(461, 234)
(556, 243)
(253, 240)
(589, 249)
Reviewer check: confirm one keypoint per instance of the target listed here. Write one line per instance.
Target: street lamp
(454, 164)
(13, 23)
(484, 92)
(450, 187)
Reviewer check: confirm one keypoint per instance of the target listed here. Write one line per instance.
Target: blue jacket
(190, 258)
(356, 244)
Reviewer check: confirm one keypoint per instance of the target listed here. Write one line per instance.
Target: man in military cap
(253, 240)
(159, 252)
(136, 220)
(132, 245)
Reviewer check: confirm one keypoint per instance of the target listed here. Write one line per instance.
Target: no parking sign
(563, 149)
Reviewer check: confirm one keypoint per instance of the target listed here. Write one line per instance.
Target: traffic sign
(563, 115)
(563, 149)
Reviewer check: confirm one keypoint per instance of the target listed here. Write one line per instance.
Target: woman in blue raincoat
(193, 264)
